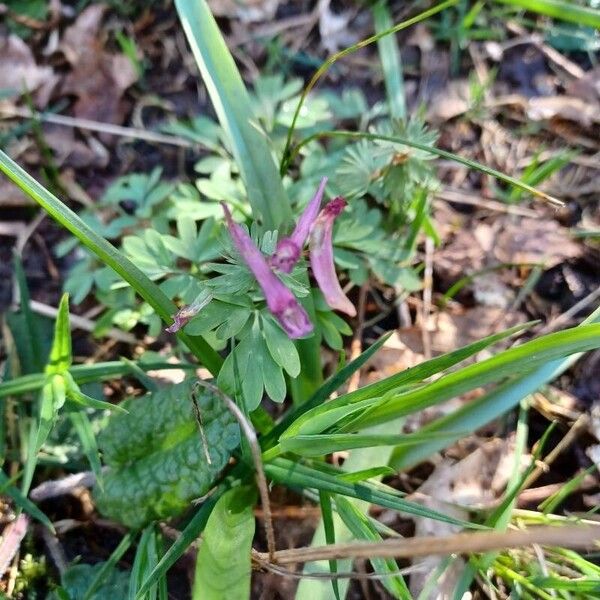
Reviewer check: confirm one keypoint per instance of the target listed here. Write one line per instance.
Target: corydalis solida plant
(313, 225)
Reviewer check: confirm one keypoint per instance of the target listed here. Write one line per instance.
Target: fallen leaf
(98, 78)
(564, 107)
(534, 241)
(18, 70)
(455, 488)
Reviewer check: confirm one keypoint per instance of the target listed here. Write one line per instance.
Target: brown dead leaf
(535, 241)
(476, 481)
(19, 71)
(587, 87)
(99, 78)
(451, 102)
(568, 108)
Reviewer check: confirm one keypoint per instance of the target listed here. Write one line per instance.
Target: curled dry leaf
(99, 78)
(19, 72)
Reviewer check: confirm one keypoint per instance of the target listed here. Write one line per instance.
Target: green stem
(432, 150)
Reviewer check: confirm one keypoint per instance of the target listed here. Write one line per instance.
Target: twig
(328, 576)
(484, 541)
(54, 549)
(427, 295)
(356, 346)
(82, 323)
(261, 480)
(119, 130)
(453, 195)
(12, 536)
(61, 487)
(568, 314)
(571, 435)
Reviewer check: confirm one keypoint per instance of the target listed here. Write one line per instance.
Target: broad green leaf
(109, 255)
(363, 529)
(232, 105)
(166, 451)
(223, 566)
(520, 359)
(60, 355)
(77, 578)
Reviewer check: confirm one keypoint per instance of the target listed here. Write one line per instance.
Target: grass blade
(293, 474)
(109, 255)
(84, 430)
(190, 533)
(232, 105)
(24, 503)
(85, 374)
(329, 528)
(487, 408)
(509, 363)
(389, 55)
(109, 565)
(561, 10)
(471, 164)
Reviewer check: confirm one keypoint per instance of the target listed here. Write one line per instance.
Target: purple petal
(321, 257)
(288, 249)
(280, 300)
(184, 314)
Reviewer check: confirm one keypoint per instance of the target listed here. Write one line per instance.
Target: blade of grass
(561, 10)
(84, 430)
(330, 386)
(293, 474)
(22, 502)
(511, 362)
(363, 529)
(389, 55)
(329, 529)
(471, 164)
(110, 564)
(28, 315)
(311, 421)
(232, 105)
(110, 256)
(85, 374)
(287, 155)
(489, 407)
(189, 535)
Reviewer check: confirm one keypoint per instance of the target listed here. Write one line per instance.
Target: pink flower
(280, 300)
(321, 257)
(288, 249)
